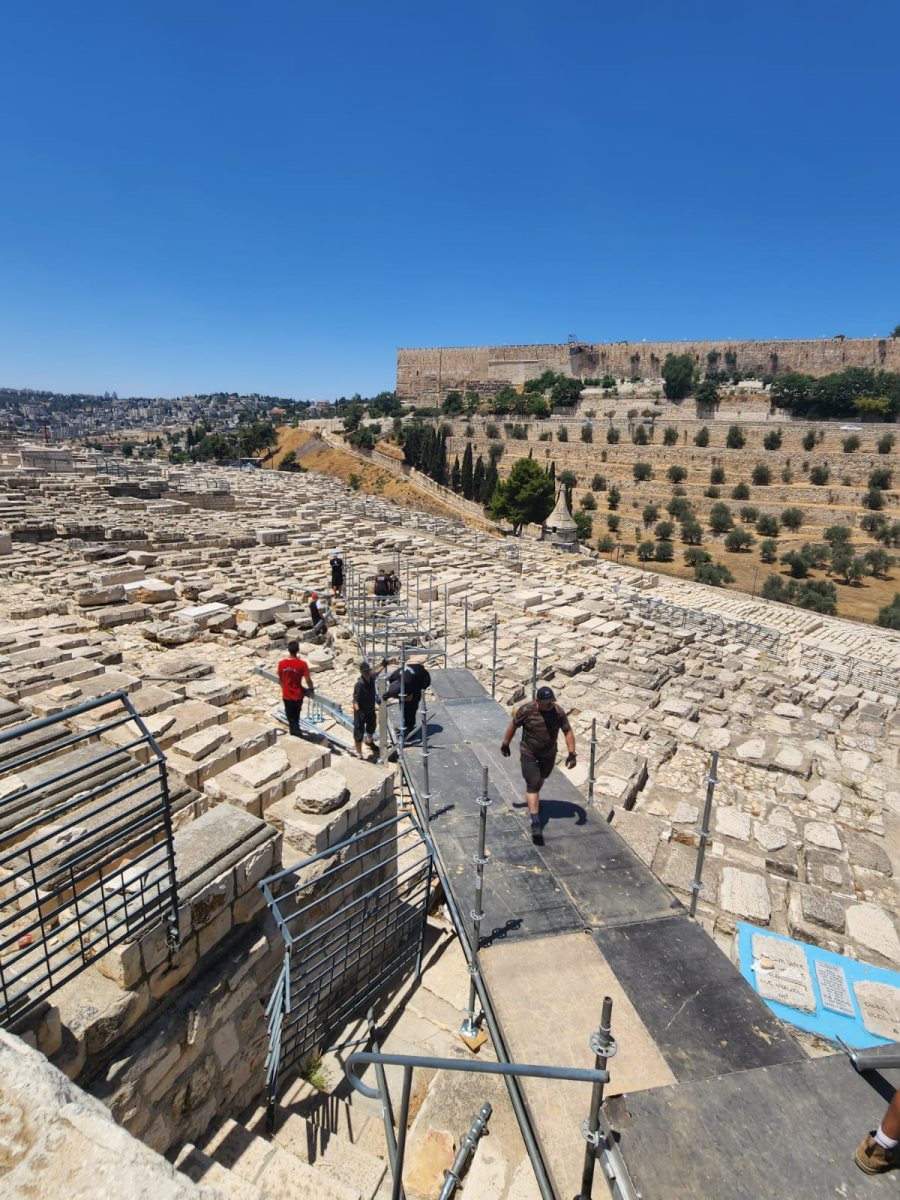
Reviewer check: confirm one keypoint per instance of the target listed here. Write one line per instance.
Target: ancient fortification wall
(425, 376)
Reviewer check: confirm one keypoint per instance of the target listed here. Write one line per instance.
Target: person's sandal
(872, 1157)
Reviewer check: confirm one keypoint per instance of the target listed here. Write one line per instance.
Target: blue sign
(817, 989)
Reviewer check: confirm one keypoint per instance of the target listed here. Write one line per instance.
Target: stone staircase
(301, 1160)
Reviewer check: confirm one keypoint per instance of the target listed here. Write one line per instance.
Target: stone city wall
(425, 376)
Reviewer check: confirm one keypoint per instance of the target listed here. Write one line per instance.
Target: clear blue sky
(275, 196)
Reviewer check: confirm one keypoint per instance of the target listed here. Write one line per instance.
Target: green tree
(707, 393)
(772, 440)
(642, 471)
(678, 376)
(606, 543)
(453, 403)
(885, 444)
(836, 535)
(701, 437)
(456, 475)
(670, 436)
(613, 496)
(767, 526)
(650, 514)
(645, 551)
(761, 476)
(792, 518)
(663, 531)
(525, 497)
(873, 499)
(478, 481)
(612, 435)
(809, 440)
(584, 526)
(692, 532)
(714, 574)
(569, 480)
(878, 561)
(748, 514)
(467, 474)
(717, 475)
(819, 474)
(797, 562)
(676, 473)
(640, 437)
(562, 434)
(588, 502)
(720, 520)
(735, 439)
(566, 392)
(881, 478)
(587, 432)
(740, 492)
(851, 443)
(739, 539)
(695, 555)
(889, 616)
(768, 550)
(664, 552)
(598, 483)
(353, 418)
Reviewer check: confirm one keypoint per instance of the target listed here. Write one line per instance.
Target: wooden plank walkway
(706, 1078)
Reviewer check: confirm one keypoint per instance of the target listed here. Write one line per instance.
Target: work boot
(872, 1157)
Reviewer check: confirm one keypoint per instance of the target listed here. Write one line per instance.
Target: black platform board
(787, 1131)
(703, 1015)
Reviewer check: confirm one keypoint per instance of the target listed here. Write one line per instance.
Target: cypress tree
(456, 475)
(478, 480)
(466, 478)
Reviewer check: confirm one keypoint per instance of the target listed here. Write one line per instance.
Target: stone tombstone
(879, 1004)
(833, 988)
(782, 973)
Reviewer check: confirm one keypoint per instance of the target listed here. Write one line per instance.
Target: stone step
(204, 1170)
(278, 1173)
(334, 1154)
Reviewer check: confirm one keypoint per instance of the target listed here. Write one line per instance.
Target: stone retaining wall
(425, 376)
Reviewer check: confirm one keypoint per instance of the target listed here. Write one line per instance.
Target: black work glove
(504, 750)
(571, 760)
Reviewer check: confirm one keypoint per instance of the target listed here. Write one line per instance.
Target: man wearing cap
(540, 722)
(293, 672)
(365, 702)
(337, 573)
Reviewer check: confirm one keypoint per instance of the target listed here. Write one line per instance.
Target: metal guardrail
(593, 1131)
(857, 672)
(86, 850)
(348, 930)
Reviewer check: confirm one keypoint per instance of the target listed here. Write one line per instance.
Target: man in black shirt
(337, 573)
(365, 702)
(540, 721)
(415, 680)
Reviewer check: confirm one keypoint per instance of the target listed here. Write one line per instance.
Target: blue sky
(274, 197)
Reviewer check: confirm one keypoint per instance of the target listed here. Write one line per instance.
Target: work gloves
(504, 749)
(571, 760)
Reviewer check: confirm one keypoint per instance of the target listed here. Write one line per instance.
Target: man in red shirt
(292, 672)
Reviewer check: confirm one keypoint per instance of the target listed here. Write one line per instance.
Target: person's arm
(507, 738)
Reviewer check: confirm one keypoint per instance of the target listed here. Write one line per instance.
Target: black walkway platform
(717, 1093)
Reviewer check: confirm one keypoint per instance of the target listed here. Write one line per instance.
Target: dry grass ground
(859, 602)
(316, 455)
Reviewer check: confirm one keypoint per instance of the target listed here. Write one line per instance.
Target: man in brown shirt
(540, 721)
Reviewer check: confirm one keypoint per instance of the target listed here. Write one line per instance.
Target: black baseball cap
(545, 693)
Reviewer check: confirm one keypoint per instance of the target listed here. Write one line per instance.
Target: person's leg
(357, 733)
(370, 729)
(410, 708)
(531, 773)
(877, 1151)
(292, 712)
